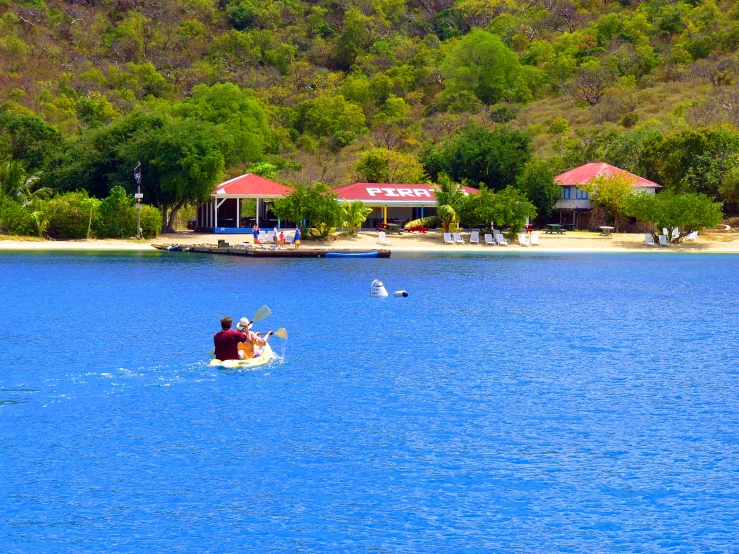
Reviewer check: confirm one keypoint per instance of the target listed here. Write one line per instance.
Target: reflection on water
(510, 403)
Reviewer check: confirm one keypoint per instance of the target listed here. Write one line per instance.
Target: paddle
(281, 332)
(260, 314)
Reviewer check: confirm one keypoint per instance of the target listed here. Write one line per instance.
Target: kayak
(252, 362)
(351, 254)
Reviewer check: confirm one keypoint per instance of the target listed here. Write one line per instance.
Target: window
(565, 193)
(581, 194)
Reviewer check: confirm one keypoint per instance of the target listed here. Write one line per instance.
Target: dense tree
(495, 157)
(610, 192)
(537, 183)
(26, 137)
(483, 65)
(508, 208)
(381, 165)
(314, 204)
(685, 212)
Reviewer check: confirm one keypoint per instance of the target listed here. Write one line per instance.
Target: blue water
(510, 404)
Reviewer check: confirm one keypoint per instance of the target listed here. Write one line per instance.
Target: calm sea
(512, 403)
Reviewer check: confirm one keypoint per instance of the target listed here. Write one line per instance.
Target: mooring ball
(402, 293)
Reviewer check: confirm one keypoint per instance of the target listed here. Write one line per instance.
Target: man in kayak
(227, 341)
(248, 347)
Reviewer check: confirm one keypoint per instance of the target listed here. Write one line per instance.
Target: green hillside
(377, 90)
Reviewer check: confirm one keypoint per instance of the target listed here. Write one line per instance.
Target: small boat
(252, 362)
(372, 254)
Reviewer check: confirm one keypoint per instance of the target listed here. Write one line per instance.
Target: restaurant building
(393, 203)
(574, 207)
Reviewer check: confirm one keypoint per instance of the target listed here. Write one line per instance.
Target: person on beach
(255, 232)
(296, 239)
(282, 239)
(227, 341)
(249, 347)
(275, 233)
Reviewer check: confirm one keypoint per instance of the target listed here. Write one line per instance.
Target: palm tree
(354, 214)
(16, 183)
(450, 199)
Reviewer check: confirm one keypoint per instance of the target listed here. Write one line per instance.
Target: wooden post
(384, 214)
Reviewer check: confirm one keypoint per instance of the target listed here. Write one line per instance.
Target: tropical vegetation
(489, 93)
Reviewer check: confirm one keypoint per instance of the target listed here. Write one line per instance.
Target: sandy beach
(571, 242)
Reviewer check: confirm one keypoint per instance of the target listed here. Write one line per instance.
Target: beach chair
(290, 239)
(691, 236)
(501, 240)
(458, 238)
(475, 237)
(664, 231)
(663, 240)
(522, 240)
(262, 237)
(382, 239)
(675, 233)
(535, 240)
(448, 238)
(489, 241)
(271, 236)
(648, 239)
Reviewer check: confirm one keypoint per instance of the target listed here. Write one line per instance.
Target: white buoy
(378, 289)
(403, 293)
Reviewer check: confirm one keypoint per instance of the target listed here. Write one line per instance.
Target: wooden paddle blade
(281, 332)
(262, 312)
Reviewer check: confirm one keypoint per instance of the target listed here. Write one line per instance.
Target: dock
(303, 252)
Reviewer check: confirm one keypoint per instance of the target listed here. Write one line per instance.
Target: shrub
(14, 218)
(151, 221)
(70, 215)
(117, 215)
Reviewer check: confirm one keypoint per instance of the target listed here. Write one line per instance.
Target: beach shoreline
(569, 243)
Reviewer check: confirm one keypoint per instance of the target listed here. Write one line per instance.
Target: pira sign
(392, 192)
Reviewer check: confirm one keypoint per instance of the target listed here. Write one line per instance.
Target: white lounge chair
(522, 240)
(691, 236)
(535, 240)
(501, 240)
(382, 239)
(475, 237)
(489, 241)
(448, 238)
(648, 239)
(290, 239)
(458, 238)
(675, 233)
(663, 240)
(271, 236)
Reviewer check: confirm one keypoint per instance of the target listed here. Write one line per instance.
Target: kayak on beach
(264, 358)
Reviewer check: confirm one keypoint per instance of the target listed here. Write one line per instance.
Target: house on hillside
(574, 208)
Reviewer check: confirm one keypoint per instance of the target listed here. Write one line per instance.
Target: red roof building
(389, 195)
(574, 205)
(250, 186)
(585, 173)
(222, 214)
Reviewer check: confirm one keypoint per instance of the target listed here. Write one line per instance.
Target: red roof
(388, 194)
(250, 186)
(586, 173)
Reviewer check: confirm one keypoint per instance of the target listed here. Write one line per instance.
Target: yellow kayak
(252, 362)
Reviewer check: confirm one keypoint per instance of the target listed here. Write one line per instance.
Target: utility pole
(139, 197)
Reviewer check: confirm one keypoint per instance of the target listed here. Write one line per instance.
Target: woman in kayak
(248, 348)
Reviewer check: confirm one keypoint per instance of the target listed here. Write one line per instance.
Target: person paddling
(247, 348)
(227, 341)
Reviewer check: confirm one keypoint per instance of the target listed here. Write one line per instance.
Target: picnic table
(605, 230)
(389, 228)
(550, 228)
